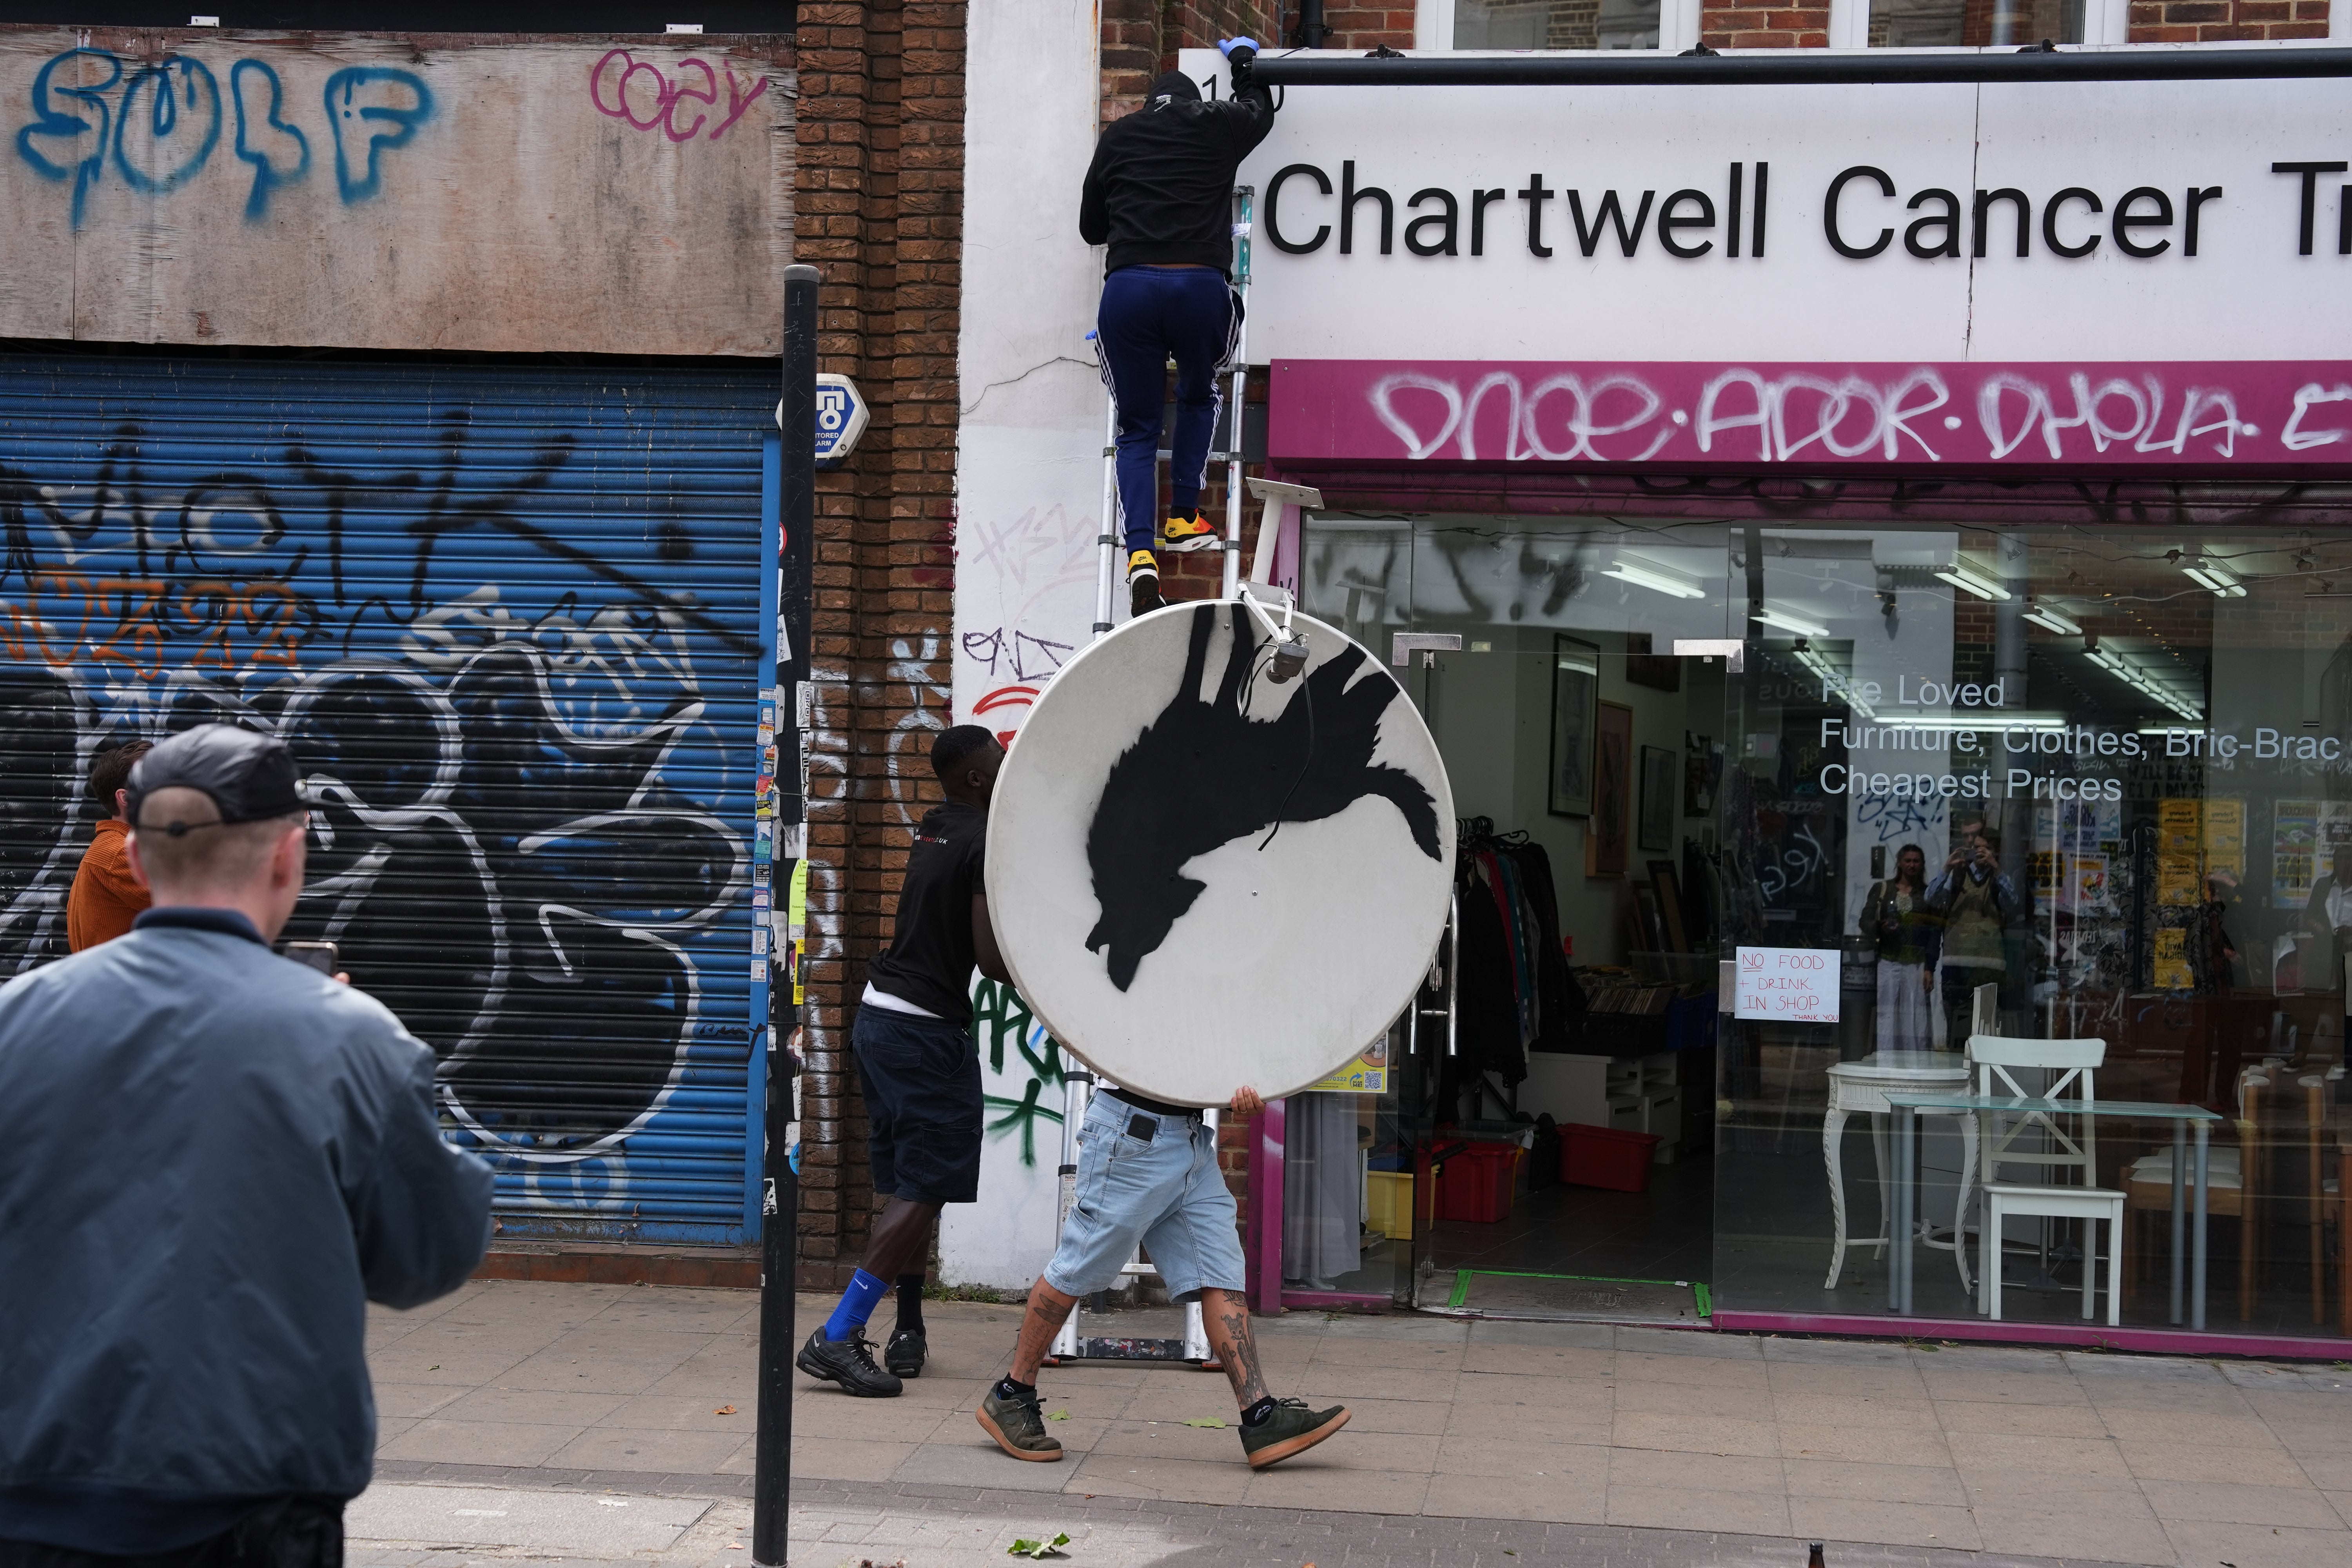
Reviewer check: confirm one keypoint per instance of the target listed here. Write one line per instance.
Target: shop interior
(2156, 726)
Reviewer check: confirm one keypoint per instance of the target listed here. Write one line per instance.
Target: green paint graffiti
(998, 1014)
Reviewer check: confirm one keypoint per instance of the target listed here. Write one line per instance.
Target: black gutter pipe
(1799, 66)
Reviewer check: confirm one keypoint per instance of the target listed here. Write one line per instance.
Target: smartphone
(321, 956)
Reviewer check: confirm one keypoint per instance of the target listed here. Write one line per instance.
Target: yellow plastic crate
(1390, 1200)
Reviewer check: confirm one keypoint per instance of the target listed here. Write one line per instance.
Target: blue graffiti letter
(363, 130)
(158, 145)
(84, 162)
(253, 129)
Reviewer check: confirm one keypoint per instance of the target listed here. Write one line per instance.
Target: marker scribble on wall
(521, 741)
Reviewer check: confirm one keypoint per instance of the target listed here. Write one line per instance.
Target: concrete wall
(613, 196)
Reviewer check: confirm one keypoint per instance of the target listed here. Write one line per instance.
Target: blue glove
(1227, 46)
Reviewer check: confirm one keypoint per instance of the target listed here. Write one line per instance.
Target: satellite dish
(1201, 877)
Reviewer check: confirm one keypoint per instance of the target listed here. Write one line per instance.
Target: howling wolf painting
(1203, 773)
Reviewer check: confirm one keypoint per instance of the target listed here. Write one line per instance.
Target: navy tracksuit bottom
(1148, 316)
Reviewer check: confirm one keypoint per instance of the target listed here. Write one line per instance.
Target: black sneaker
(1291, 1429)
(906, 1352)
(849, 1363)
(1018, 1426)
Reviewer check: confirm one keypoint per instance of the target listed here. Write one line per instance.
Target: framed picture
(1575, 691)
(1606, 833)
(1660, 671)
(1649, 933)
(1702, 772)
(1658, 821)
(1669, 891)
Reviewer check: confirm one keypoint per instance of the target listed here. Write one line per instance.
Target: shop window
(1974, 24)
(1556, 23)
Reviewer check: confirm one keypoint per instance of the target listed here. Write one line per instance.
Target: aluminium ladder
(1077, 1088)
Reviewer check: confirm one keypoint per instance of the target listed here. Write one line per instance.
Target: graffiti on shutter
(523, 714)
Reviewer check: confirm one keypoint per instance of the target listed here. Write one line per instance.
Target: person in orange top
(106, 898)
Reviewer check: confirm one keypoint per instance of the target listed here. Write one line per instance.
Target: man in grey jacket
(216, 1158)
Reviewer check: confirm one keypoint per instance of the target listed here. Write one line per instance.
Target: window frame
(1679, 25)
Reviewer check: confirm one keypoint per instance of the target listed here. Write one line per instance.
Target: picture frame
(1656, 822)
(1659, 671)
(1647, 927)
(1611, 823)
(1575, 694)
(1669, 889)
(1702, 774)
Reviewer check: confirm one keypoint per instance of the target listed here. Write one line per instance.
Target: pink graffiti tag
(667, 95)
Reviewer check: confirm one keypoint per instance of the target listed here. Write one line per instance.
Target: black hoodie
(1160, 190)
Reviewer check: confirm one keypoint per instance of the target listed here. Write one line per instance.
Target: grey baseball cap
(249, 777)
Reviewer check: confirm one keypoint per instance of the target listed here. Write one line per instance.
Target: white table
(1860, 1087)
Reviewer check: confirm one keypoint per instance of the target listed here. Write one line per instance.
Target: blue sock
(858, 1304)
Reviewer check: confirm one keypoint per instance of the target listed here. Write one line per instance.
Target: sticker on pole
(1792, 985)
(841, 417)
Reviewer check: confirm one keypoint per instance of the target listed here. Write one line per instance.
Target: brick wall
(879, 203)
(1726, 25)
(1364, 27)
(2222, 21)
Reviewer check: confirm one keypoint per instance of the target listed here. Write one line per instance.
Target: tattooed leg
(1048, 1310)
(1227, 1316)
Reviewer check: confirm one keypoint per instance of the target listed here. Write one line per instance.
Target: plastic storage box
(1605, 1157)
(1475, 1184)
(1389, 1195)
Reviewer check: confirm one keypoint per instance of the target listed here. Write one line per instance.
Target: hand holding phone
(322, 956)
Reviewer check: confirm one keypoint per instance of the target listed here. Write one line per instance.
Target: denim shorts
(922, 1105)
(1164, 1192)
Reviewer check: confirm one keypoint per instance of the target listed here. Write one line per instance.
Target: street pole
(779, 1225)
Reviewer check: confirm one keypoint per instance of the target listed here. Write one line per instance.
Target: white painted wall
(1028, 479)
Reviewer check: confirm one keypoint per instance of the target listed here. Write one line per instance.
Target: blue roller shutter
(508, 621)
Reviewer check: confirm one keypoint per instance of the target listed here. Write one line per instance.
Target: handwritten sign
(1793, 985)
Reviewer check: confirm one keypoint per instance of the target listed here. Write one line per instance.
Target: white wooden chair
(2041, 1140)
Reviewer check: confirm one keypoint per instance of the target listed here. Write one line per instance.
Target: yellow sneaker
(1143, 584)
(1185, 535)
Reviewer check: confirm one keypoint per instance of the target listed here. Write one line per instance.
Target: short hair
(954, 745)
(211, 855)
(109, 770)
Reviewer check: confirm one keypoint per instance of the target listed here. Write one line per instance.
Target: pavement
(597, 1423)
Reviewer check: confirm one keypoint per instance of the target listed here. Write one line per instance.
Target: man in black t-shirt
(919, 1069)
(1159, 194)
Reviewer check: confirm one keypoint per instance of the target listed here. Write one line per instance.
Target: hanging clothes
(1560, 1000)
(1486, 1006)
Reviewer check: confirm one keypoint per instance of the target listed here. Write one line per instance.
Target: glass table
(1905, 1105)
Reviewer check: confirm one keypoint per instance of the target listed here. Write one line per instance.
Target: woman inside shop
(1908, 933)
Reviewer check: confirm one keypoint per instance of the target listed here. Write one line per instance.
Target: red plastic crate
(1604, 1157)
(1476, 1183)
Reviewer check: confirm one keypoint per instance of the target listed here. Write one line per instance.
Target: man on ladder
(1158, 194)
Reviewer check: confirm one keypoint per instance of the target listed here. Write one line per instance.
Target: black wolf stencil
(1204, 774)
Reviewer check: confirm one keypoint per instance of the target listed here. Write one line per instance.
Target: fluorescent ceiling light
(1959, 575)
(2048, 619)
(1834, 679)
(2214, 577)
(1657, 579)
(1988, 720)
(1773, 616)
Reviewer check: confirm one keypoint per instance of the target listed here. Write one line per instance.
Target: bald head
(187, 857)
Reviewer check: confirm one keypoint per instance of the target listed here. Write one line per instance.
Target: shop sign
(2118, 274)
(1786, 985)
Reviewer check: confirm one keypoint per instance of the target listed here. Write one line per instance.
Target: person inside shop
(919, 1069)
(1910, 935)
(1977, 903)
(105, 897)
(2328, 920)
(1147, 1176)
(2212, 954)
(1159, 194)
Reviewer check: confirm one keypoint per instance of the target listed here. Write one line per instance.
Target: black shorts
(922, 1105)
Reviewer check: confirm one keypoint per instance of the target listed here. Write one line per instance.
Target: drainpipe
(1310, 32)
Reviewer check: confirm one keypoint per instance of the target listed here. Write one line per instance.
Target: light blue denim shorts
(1164, 1192)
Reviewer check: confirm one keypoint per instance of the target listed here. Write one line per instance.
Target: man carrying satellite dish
(1159, 194)
(1147, 1175)
(918, 1068)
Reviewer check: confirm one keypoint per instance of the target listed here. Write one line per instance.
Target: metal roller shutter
(508, 621)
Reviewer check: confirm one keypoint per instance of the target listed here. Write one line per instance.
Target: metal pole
(772, 1465)
(1801, 67)
(1243, 220)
